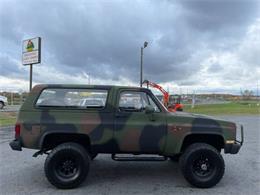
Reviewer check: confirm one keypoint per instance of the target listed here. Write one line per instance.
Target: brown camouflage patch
(89, 122)
(130, 140)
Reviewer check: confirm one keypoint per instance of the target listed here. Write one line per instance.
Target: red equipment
(176, 106)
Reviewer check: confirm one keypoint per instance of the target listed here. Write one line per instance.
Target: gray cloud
(215, 68)
(10, 68)
(218, 15)
(104, 38)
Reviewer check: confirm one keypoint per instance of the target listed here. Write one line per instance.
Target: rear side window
(72, 98)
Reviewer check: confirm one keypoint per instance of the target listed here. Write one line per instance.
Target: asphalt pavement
(10, 108)
(20, 173)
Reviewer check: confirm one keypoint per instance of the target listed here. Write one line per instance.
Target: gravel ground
(20, 173)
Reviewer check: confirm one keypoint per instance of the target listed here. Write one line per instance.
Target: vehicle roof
(83, 86)
(37, 89)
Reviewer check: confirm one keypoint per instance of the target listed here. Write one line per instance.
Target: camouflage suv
(72, 124)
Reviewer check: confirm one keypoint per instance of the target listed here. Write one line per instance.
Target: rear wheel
(202, 165)
(67, 165)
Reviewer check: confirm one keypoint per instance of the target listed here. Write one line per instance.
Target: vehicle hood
(200, 123)
(201, 116)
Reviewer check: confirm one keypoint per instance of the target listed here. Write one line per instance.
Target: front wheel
(202, 165)
(67, 165)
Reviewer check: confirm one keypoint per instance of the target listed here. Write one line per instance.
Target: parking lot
(10, 108)
(20, 173)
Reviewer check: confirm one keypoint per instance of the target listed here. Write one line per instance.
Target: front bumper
(16, 145)
(234, 148)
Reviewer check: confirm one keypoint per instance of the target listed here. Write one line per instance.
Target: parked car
(92, 102)
(131, 121)
(3, 101)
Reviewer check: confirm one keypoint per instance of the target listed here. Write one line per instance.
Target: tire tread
(188, 175)
(67, 146)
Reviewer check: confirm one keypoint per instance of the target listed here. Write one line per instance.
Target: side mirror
(149, 109)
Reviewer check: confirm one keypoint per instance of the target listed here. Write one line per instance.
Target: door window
(153, 104)
(132, 101)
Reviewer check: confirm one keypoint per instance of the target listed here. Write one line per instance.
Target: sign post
(31, 54)
(31, 70)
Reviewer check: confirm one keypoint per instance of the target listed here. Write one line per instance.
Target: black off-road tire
(202, 165)
(67, 165)
(2, 105)
(175, 158)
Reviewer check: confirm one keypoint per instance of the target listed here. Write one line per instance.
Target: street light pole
(141, 68)
(141, 71)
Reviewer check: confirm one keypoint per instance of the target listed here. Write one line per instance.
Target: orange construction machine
(175, 106)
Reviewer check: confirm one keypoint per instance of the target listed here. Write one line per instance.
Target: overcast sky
(194, 45)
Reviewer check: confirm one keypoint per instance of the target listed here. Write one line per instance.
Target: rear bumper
(235, 147)
(16, 145)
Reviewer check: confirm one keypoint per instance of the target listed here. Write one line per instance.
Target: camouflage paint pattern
(110, 131)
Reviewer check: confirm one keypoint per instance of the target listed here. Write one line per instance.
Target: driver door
(137, 131)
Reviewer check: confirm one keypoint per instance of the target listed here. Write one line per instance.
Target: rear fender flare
(41, 140)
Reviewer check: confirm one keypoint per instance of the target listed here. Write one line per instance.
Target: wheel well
(216, 141)
(52, 140)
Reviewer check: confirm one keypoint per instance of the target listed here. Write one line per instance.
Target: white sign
(31, 51)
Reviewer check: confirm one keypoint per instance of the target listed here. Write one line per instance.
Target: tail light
(17, 130)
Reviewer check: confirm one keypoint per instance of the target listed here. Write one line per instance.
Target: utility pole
(141, 68)
(193, 100)
(257, 90)
(87, 75)
(12, 98)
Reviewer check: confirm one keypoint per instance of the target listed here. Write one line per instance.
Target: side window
(153, 104)
(132, 101)
(72, 98)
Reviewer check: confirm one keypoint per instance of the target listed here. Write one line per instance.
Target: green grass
(7, 118)
(234, 108)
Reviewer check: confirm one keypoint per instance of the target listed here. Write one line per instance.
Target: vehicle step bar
(141, 158)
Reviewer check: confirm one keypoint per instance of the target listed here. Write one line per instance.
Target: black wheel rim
(203, 166)
(67, 168)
